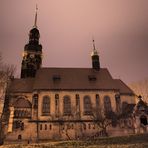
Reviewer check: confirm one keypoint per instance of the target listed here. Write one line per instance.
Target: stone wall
(70, 127)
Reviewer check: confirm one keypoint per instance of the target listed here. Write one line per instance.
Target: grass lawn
(133, 141)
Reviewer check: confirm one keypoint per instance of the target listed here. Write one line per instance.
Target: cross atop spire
(35, 21)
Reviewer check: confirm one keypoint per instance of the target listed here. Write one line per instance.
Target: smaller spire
(94, 52)
(94, 47)
(35, 21)
(95, 57)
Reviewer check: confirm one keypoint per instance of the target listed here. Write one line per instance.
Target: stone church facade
(59, 103)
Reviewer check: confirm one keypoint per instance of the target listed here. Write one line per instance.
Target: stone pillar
(10, 122)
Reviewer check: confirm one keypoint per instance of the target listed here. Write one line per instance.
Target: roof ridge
(68, 68)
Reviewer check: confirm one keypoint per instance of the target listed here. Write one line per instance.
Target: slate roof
(21, 85)
(124, 89)
(69, 79)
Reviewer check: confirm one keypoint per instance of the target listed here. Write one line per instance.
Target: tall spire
(35, 21)
(32, 57)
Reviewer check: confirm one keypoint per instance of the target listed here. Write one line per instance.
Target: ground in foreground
(133, 141)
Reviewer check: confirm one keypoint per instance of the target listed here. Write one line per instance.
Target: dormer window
(56, 78)
(92, 78)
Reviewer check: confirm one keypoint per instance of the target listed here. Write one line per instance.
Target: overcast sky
(120, 29)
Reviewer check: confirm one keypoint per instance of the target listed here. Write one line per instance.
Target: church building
(60, 103)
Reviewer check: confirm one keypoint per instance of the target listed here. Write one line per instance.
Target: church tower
(95, 58)
(32, 55)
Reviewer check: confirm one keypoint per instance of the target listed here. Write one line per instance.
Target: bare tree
(104, 119)
(6, 72)
(140, 88)
(64, 121)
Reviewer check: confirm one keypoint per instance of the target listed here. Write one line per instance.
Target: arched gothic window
(87, 106)
(46, 106)
(67, 105)
(107, 104)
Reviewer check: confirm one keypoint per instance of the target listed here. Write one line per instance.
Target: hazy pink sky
(120, 29)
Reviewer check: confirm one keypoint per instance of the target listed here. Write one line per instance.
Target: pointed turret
(95, 58)
(32, 56)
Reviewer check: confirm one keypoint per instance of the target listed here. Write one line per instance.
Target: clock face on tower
(32, 56)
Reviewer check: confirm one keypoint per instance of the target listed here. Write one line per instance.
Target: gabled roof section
(21, 85)
(70, 79)
(124, 89)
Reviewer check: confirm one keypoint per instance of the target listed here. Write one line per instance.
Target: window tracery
(67, 105)
(87, 105)
(46, 106)
(107, 104)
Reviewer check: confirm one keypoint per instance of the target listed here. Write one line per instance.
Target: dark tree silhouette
(104, 119)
